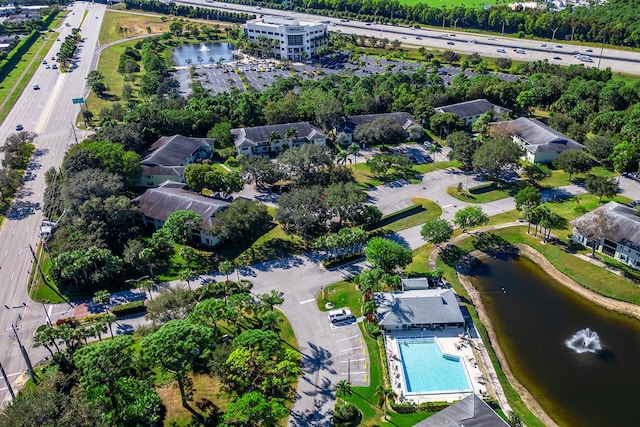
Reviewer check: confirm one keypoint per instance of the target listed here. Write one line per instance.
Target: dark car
(451, 43)
(557, 58)
(19, 127)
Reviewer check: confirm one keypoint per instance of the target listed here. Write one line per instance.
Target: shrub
(403, 408)
(231, 161)
(92, 318)
(432, 406)
(345, 414)
(129, 308)
(372, 329)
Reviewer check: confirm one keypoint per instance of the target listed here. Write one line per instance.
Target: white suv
(340, 315)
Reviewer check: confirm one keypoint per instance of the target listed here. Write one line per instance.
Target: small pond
(538, 322)
(210, 53)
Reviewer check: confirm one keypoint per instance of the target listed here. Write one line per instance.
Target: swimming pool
(428, 370)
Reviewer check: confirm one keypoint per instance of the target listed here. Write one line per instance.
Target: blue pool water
(427, 370)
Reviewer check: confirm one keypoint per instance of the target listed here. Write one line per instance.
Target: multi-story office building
(289, 38)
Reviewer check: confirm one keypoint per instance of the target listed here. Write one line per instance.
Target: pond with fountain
(578, 360)
(209, 53)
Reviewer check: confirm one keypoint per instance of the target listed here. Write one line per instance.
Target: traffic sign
(78, 100)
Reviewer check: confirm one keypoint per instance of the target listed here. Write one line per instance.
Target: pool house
(422, 309)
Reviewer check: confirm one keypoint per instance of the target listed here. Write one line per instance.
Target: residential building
(470, 411)
(168, 157)
(291, 38)
(470, 111)
(156, 204)
(349, 123)
(622, 241)
(271, 140)
(418, 309)
(541, 143)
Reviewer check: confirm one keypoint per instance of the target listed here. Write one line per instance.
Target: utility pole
(503, 27)
(35, 259)
(25, 356)
(6, 381)
(600, 58)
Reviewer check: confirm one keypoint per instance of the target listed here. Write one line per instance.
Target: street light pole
(553, 36)
(503, 27)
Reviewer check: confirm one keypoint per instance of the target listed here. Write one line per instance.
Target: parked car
(634, 203)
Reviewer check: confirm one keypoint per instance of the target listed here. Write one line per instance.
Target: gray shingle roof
(163, 170)
(539, 137)
(472, 108)
(250, 137)
(627, 230)
(418, 307)
(415, 283)
(470, 411)
(349, 123)
(169, 197)
(174, 150)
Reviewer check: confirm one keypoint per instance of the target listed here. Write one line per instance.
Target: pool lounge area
(439, 366)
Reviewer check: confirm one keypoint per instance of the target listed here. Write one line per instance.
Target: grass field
(120, 25)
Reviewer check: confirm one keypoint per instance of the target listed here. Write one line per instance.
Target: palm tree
(343, 388)
(45, 338)
(383, 393)
(342, 156)
(353, 149)
(226, 267)
(292, 132)
(273, 137)
(109, 319)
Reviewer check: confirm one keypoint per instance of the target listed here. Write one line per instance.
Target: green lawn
(430, 167)
(431, 211)
(560, 178)
(341, 294)
(118, 25)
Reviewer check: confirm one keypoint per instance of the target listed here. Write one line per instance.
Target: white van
(340, 315)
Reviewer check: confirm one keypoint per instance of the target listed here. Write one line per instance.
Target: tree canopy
(387, 254)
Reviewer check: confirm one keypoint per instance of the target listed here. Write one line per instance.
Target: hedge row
(484, 188)
(395, 216)
(129, 308)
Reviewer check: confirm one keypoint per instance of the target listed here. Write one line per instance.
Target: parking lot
(351, 360)
(257, 74)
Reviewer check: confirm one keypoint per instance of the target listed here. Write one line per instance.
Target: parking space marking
(352, 348)
(352, 360)
(307, 301)
(345, 339)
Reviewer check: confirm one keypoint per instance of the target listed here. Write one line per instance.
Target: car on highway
(44, 62)
(344, 20)
(403, 37)
(36, 87)
(418, 38)
(520, 51)
(368, 24)
(491, 38)
(47, 67)
(559, 46)
(19, 127)
(451, 43)
(501, 50)
(589, 50)
(54, 66)
(57, 40)
(543, 45)
(53, 58)
(557, 58)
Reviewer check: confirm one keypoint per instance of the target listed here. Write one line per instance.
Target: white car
(491, 38)
(501, 50)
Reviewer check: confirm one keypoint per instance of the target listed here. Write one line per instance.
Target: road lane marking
(447, 206)
(345, 339)
(352, 348)
(307, 301)
(12, 275)
(5, 252)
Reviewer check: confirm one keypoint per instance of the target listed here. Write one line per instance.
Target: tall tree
(463, 147)
(527, 200)
(497, 157)
(572, 162)
(387, 254)
(177, 347)
(601, 186)
(180, 225)
(536, 172)
(436, 231)
(470, 217)
(594, 226)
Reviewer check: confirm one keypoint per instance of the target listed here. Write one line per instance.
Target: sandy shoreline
(535, 256)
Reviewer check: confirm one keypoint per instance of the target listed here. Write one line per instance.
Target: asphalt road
(622, 61)
(50, 113)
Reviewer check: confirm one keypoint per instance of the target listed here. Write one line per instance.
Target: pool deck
(452, 341)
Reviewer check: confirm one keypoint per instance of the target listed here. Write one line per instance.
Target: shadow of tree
(493, 244)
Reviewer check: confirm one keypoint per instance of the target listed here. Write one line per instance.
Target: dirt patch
(535, 256)
(207, 398)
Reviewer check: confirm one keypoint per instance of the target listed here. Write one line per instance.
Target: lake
(210, 53)
(532, 321)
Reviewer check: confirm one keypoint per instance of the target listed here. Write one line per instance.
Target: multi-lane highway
(440, 38)
(49, 112)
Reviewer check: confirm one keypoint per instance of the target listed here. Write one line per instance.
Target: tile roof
(170, 196)
(250, 137)
(472, 108)
(539, 137)
(470, 411)
(349, 123)
(418, 307)
(627, 230)
(174, 150)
